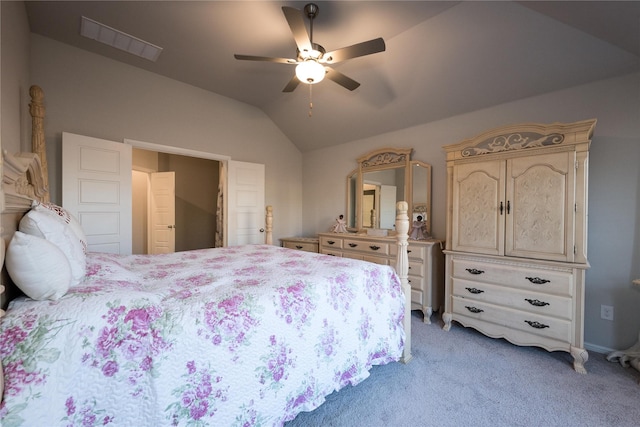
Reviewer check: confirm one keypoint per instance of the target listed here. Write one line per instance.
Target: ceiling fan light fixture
(310, 72)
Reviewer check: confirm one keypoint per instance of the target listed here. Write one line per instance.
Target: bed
(245, 335)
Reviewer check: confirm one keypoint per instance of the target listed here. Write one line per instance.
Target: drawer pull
(474, 309)
(536, 325)
(374, 247)
(353, 245)
(331, 242)
(299, 247)
(536, 302)
(537, 280)
(475, 290)
(474, 271)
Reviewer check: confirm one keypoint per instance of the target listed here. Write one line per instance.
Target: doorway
(196, 194)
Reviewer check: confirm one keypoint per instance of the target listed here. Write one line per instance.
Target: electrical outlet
(606, 312)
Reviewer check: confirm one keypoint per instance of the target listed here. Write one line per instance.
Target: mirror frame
(382, 159)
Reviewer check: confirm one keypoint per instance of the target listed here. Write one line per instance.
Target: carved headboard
(24, 179)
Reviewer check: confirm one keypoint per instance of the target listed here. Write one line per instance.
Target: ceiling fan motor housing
(311, 10)
(316, 53)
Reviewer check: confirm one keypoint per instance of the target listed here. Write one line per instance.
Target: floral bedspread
(240, 336)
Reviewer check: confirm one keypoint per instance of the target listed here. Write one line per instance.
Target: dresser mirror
(383, 178)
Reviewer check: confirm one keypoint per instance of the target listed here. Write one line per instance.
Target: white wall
(614, 187)
(91, 95)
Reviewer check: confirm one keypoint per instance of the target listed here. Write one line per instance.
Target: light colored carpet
(463, 378)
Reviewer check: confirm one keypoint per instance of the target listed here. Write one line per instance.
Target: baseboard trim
(598, 348)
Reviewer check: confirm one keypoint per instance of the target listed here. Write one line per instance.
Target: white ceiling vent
(112, 37)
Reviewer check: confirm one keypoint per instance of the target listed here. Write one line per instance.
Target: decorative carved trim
(513, 141)
(22, 181)
(38, 144)
(386, 157)
(523, 136)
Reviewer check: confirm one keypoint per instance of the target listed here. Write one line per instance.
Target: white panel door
(96, 188)
(245, 204)
(163, 213)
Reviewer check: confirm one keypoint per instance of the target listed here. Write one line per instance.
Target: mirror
(383, 178)
(420, 203)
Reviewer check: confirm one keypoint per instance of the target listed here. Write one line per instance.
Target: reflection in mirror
(421, 192)
(352, 184)
(381, 191)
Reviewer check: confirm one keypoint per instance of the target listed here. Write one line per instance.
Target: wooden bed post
(38, 144)
(402, 269)
(269, 226)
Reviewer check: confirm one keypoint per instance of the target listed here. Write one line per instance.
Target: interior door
(245, 208)
(96, 188)
(162, 210)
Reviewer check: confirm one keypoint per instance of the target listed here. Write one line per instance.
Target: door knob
(262, 230)
(171, 226)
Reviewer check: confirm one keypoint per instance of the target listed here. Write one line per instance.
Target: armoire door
(540, 197)
(479, 207)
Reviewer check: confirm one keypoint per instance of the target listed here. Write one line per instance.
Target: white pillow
(65, 216)
(45, 225)
(37, 267)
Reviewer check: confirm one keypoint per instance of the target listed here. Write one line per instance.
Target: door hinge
(575, 250)
(577, 165)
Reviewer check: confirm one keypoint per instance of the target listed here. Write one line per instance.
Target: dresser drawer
(301, 246)
(413, 251)
(533, 302)
(331, 242)
(416, 268)
(375, 259)
(513, 319)
(366, 246)
(330, 252)
(353, 255)
(523, 276)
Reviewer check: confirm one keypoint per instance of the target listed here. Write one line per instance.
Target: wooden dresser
(426, 263)
(308, 244)
(516, 251)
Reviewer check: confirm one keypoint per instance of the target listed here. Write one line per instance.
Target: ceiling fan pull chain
(310, 102)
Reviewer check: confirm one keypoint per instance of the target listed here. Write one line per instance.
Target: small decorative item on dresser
(340, 226)
(419, 229)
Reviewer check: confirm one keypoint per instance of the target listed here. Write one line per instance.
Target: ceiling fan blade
(354, 51)
(296, 23)
(341, 79)
(293, 83)
(265, 58)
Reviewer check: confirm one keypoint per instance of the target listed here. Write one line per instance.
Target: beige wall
(614, 187)
(90, 95)
(14, 77)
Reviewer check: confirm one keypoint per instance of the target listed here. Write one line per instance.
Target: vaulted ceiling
(442, 58)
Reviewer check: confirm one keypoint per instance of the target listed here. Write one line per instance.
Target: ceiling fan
(312, 61)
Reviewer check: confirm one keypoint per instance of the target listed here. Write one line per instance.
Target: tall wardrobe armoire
(516, 247)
